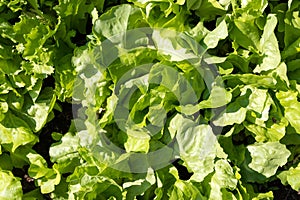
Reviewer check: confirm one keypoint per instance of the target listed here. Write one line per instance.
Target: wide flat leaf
(267, 157)
(220, 32)
(218, 97)
(117, 21)
(209, 9)
(11, 187)
(184, 190)
(263, 134)
(65, 153)
(223, 178)
(269, 47)
(196, 146)
(46, 178)
(86, 184)
(235, 112)
(251, 79)
(245, 32)
(139, 186)
(15, 131)
(291, 177)
(291, 107)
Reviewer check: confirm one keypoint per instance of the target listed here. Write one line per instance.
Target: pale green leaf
(267, 157)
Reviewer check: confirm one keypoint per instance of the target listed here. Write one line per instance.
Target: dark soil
(285, 192)
(59, 124)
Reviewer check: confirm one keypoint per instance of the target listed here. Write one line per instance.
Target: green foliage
(210, 85)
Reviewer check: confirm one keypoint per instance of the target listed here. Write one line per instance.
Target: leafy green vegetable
(291, 177)
(267, 157)
(46, 178)
(149, 99)
(290, 104)
(10, 186)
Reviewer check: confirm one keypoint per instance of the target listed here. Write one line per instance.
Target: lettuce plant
(171, 99)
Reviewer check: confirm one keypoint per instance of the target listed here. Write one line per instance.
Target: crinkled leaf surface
(267, 157)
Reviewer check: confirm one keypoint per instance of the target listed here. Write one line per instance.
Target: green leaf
(223, 178)
(251, 79)
(36, 114)
(209, 9)
(197, 146)
(65, 153)
(15, 131)
(269, 47)
(5, 162)
(3, 110)
(138, 141)
(291, 177)
(292, 28)
(91, 185)
(116, 21)
(245, 32)
(11, 187)
(184, 190)
(218, 97)
(255, 7)
(235, 112)
(267, 157)
(47, 178)
(33, 195)
(220, 32)
(64, 78)
(139, 186)
(236, 153)
(263, 134)
(291, 50)
(291, 107)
